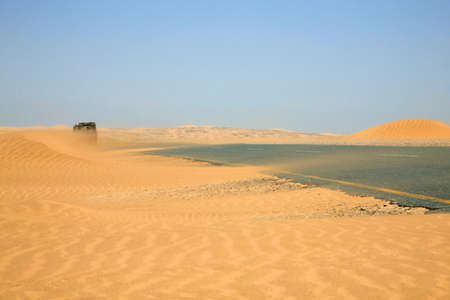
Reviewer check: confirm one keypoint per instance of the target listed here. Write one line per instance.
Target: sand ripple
(79, 223)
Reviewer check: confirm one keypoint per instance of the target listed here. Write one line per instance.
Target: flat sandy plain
(106, 222)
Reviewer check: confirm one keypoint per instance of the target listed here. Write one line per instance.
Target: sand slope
(79, 223)
(406, 129)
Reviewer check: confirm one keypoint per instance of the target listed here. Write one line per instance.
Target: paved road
(410, 176)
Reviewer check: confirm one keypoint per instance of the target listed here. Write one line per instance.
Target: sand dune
(214, 135)
(408, 132)
(196, 134)
(406, 129)
(79, 222)
(414, 132)
(36, 128)
(208, 135)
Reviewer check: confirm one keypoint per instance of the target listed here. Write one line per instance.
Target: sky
(309, 66)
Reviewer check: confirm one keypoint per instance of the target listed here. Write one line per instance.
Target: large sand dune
(80, 223)
(406, 129)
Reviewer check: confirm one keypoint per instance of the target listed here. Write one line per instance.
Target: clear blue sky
(311, 66)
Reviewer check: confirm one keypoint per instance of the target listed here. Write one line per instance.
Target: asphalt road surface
(409, 176)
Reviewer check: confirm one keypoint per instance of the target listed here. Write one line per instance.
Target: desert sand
(108, 222)
(406, 129)
(412, 132)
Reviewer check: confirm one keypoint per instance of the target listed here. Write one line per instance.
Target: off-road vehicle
(87, 131)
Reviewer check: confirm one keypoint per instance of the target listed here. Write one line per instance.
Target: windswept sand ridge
(36, 128)
(77, 223)
(405, 129)
(54, 154)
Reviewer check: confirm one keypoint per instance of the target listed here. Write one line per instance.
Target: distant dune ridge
(211, 134)
(406, 129)
(412, 132)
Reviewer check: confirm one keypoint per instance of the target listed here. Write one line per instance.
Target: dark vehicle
(89, 131)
